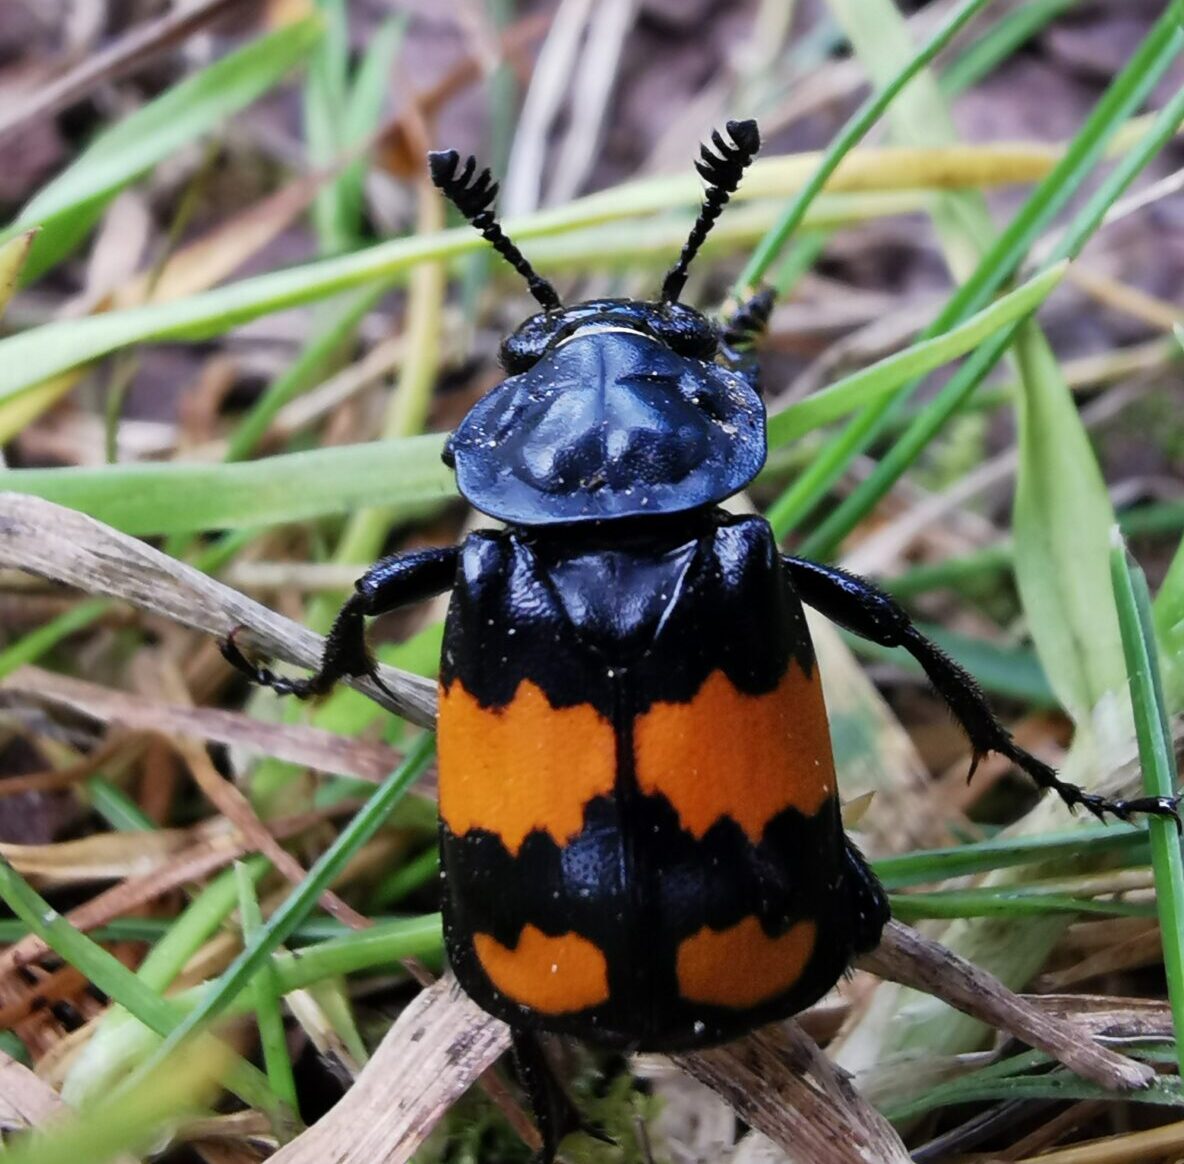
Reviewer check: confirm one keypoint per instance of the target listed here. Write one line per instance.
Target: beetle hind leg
(869, 902)
(554, 1110)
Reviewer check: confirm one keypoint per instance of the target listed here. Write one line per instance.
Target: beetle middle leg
(864, 610)
(554, 1110)
(393, 582)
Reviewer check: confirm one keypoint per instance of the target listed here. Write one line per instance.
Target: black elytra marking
(803, 869)
(668, 607)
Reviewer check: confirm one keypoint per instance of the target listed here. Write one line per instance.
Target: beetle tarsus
(259, 674)
(394, 581)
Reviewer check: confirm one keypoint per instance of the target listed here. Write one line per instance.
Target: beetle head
(612, 408)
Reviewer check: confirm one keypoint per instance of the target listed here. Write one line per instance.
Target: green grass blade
(379, 948)
(955, 394)
(36, 643)
(91, 1073)
(1062, 520)
(1159, 517)
(933, 865)
(305, 372)
(177, 497)
(274, 1043)
(13, 255)
(118, 809)
(303, 899)
(886, 375)
(848, 137)
(1124, 95)
(1158, 760)
(114, 979)
(1059, 1085)
(1168, 613)
(67, 207)
(996, 45)
(324, 116)
(363, 113)
(883, 43)
(914, 907)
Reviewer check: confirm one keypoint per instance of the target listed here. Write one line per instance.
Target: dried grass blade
(905, 956)
(435, 1051)
(65, 546)
(311, 747)
(779, 1082)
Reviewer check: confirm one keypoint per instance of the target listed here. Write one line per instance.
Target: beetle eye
(526, 346)
(689, 334)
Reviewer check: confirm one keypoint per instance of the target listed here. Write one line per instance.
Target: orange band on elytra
(726, 753)
(523, 767)
(742, 966)
(551, 975)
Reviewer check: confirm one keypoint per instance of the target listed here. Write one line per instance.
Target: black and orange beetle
(639, 819)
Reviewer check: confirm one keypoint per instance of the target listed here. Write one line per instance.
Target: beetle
(639, 820)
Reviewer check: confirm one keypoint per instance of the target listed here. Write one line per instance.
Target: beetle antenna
(722, 174)
(473, 197)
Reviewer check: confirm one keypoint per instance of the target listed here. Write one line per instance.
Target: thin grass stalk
(303, 899)
(276, 1060)
(849, 136)
(1158, 760)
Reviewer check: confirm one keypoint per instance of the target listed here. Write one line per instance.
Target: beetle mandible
(639, 821)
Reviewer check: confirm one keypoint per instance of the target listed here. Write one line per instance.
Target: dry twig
(907, 957)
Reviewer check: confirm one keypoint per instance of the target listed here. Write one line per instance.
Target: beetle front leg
(396, 581)
(868, 612)
(742, 330)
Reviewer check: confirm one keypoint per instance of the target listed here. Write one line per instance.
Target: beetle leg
(395, 581)
(554, 1110)
(868, 612)
(869, 903)
(742, 330)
